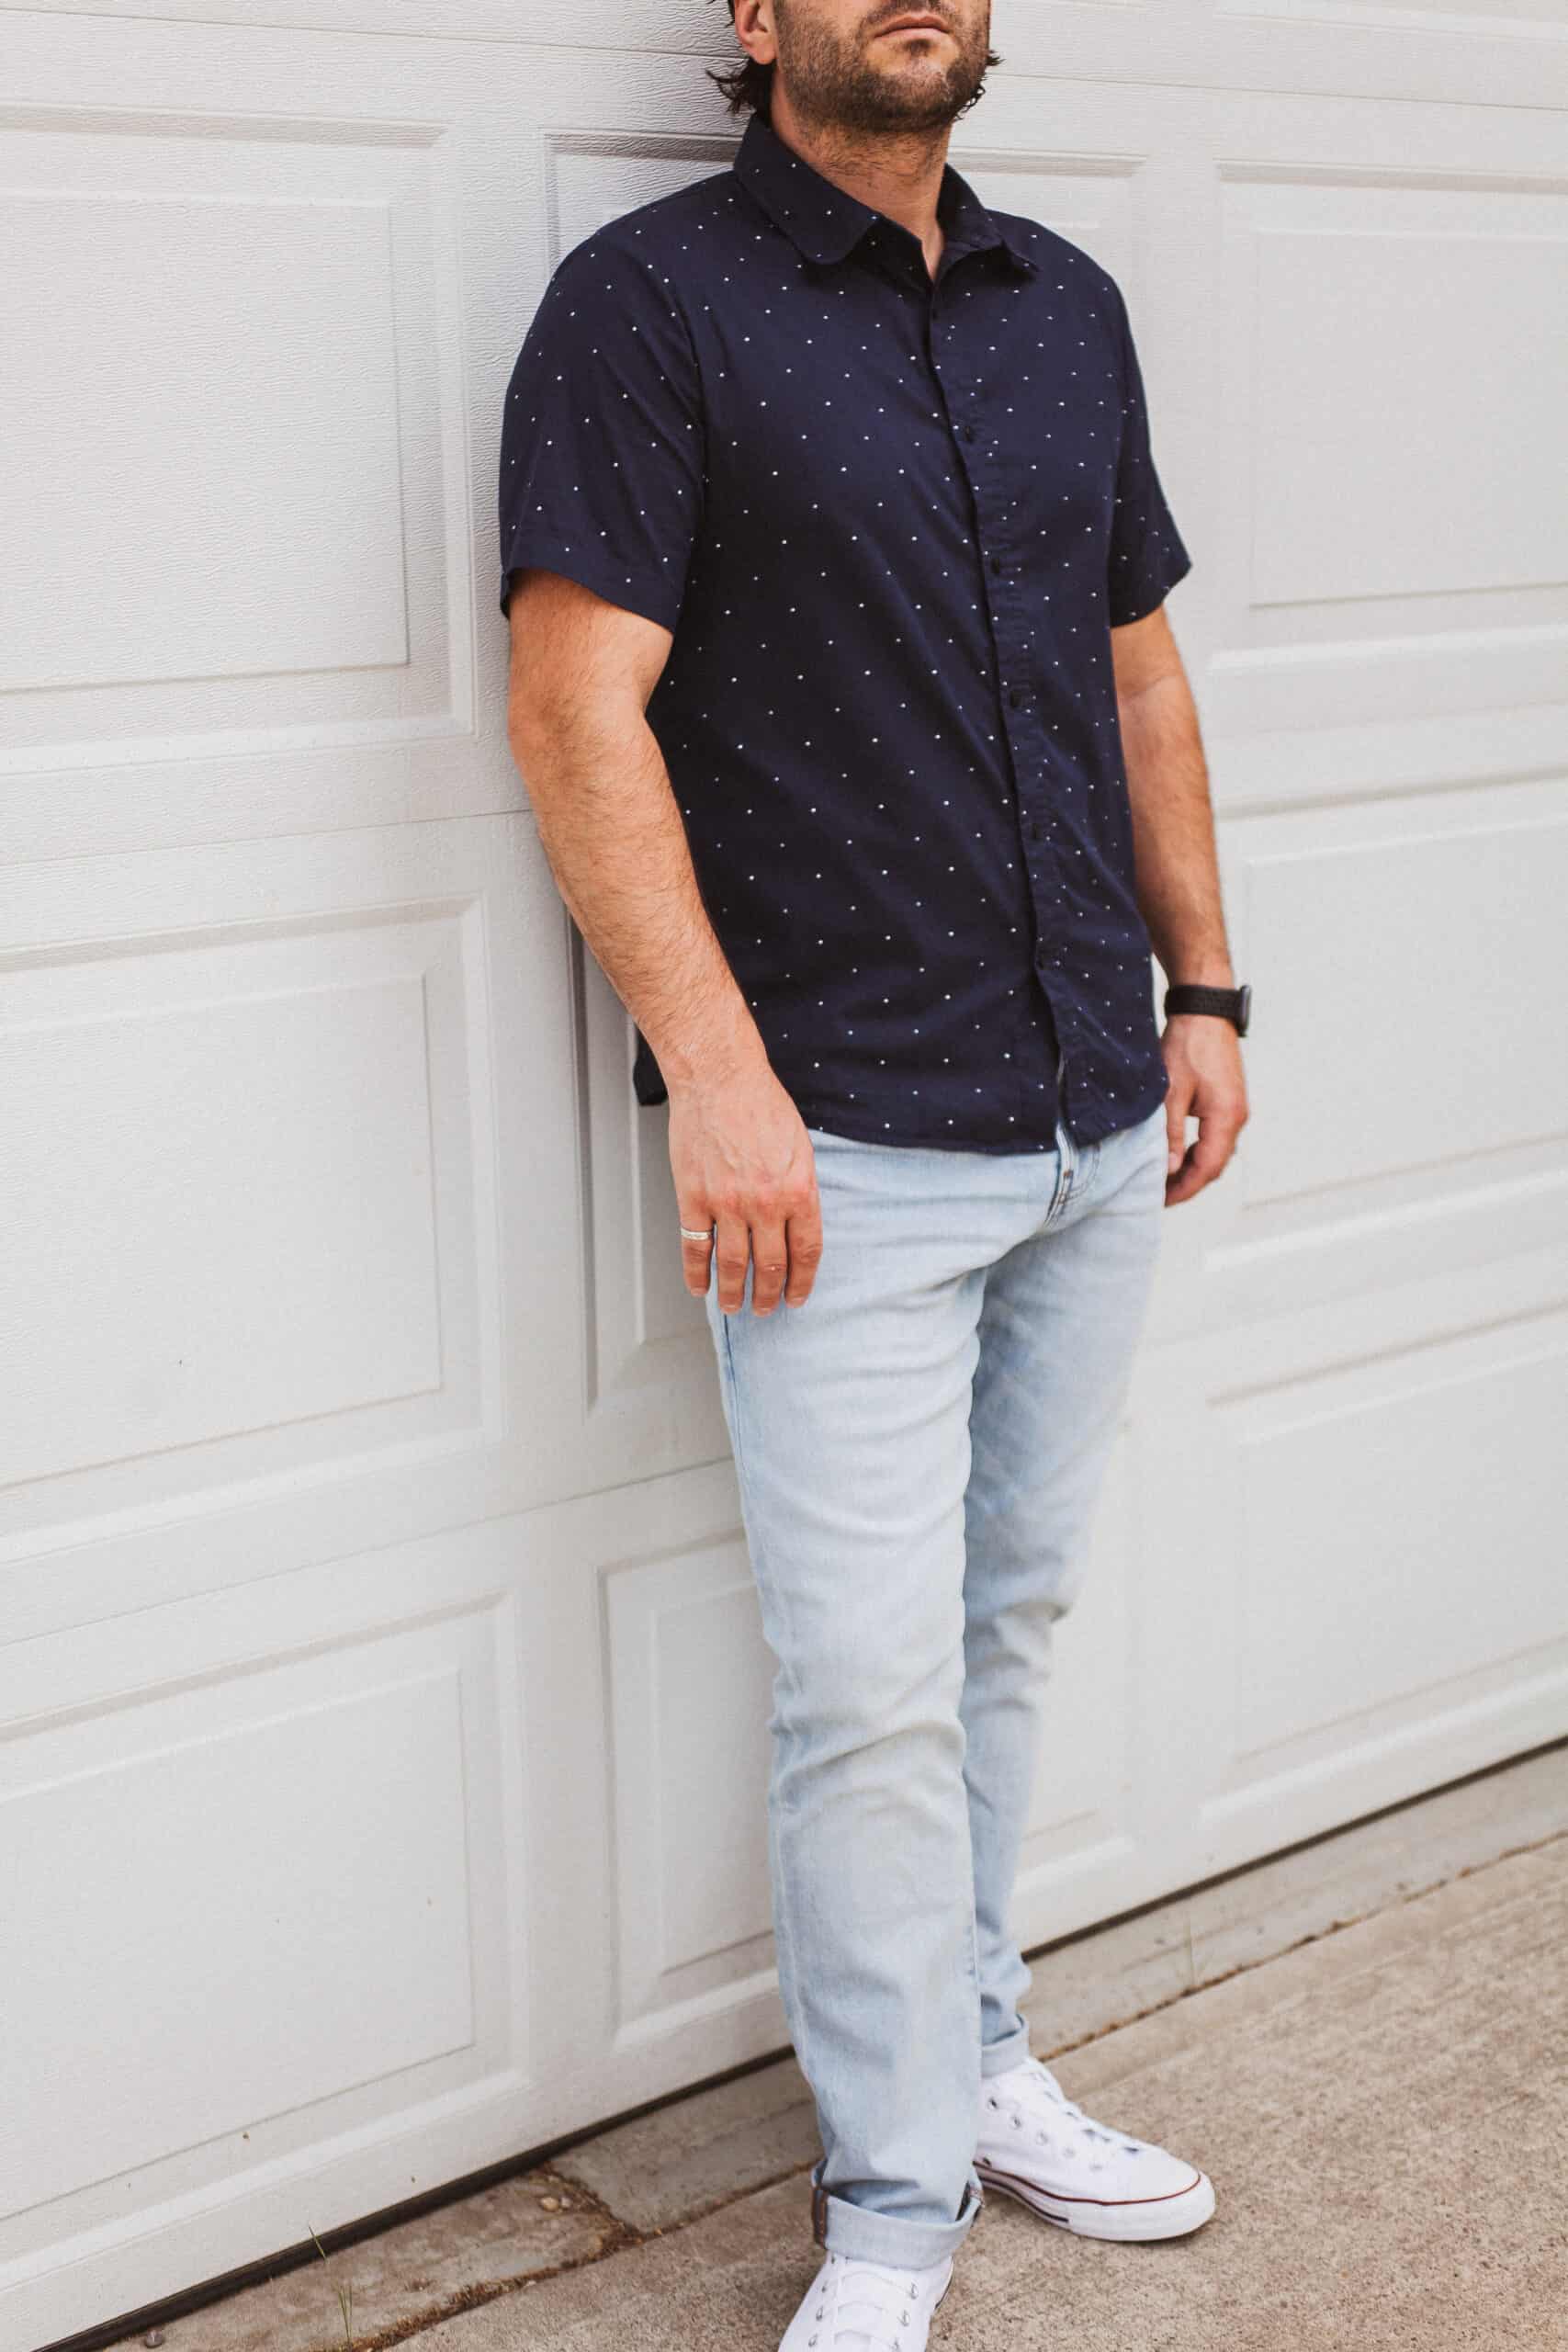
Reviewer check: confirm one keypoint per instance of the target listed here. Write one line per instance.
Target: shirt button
(1019, 696)
(966, 432)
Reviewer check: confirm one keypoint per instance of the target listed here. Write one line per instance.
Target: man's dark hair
(749, 88)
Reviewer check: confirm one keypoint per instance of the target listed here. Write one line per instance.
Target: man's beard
(833, 85)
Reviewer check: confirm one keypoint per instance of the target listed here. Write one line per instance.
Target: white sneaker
(1036, 2145)
(855, 2306)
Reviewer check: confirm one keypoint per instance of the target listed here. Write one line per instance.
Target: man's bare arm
(582, 673)
(1179, 894)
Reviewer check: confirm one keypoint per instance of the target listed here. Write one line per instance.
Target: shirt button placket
(1027, 740)
(1025, 743)
(1026, 749)
(1030, 1049)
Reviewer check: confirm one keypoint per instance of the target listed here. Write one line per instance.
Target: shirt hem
(1101, 1122)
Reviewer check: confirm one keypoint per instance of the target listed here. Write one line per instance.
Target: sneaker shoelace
(875, 2305)
(1037, 2090)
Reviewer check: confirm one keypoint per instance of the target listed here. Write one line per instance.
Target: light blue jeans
(919, 1446)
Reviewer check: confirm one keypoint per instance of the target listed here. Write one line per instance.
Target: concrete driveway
(1364, 2042)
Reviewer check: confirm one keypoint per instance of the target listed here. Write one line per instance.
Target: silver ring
(687, 1234)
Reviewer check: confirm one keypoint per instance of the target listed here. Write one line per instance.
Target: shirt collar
(825, 221)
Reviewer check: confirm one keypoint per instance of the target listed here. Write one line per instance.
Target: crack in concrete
(618, 2237)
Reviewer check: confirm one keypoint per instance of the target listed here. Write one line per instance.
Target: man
(835, 554)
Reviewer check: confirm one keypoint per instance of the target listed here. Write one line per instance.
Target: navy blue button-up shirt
(890, 521)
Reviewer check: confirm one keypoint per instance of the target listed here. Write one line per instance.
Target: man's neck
(897, 173)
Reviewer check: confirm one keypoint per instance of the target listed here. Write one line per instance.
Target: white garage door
(384, 1694)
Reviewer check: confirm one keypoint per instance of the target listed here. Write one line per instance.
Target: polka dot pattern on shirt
(890, 522)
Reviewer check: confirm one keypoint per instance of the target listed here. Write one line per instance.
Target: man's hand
(742, 1160)
(1203, 1055)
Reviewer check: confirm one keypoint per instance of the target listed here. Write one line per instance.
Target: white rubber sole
(1136, 2219)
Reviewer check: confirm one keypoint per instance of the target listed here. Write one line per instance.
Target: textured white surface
(248, 453)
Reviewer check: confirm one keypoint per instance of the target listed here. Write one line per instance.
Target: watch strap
(1232, 1004)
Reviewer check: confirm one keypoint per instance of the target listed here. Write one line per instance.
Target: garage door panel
(284, 427)
(243, 1239)
(1397, 550)
(1408, 1087)
(302, 1963)
(1403, 1057)
(293, 1861)
(283, 1302)
(1351, 1577)
(1380, 469)
(1393, 1573)
(1394, 1543)
(278, 1290)
(269, 491)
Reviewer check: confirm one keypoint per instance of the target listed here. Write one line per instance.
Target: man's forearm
(612, 831)
(1178, 880)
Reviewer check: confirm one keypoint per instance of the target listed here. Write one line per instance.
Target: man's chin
(906, 103)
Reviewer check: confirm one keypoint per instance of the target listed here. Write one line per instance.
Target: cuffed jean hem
(862, 2235)
(999, 2056)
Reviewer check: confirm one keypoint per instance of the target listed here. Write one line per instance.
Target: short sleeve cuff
(632, 586)
(1136, 592)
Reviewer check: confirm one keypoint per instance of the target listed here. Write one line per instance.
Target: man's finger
(696, 1256)
(804, 1253)
(1177, 1107)
(1210, 1155)
(770, 1264)
(732, 1253)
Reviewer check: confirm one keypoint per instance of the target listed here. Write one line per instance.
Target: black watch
(1235, 1004)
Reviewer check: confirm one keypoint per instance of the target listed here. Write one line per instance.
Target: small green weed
(344, 2298)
